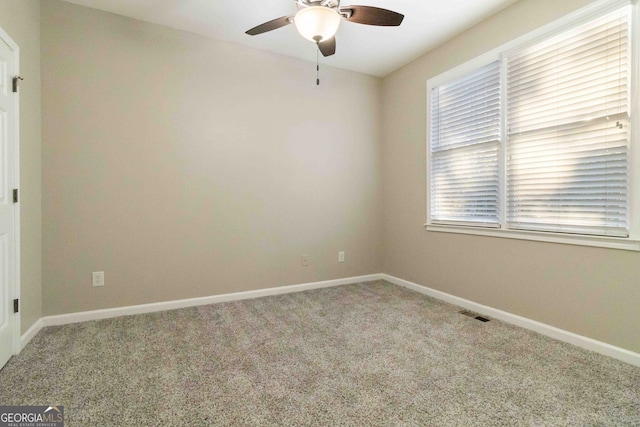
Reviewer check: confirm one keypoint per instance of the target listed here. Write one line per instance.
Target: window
(534, 140)
(465, 141)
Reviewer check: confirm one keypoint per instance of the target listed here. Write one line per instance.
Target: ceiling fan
(318, 21)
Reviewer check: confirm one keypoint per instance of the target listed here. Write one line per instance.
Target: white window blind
(568, 131)
(464, 149)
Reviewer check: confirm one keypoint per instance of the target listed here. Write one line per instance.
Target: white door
(7, 231)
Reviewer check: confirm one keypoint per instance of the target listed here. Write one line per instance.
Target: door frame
(14, 292)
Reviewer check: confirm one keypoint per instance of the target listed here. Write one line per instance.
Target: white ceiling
(366, 49)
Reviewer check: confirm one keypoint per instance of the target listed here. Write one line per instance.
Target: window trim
(559, 26)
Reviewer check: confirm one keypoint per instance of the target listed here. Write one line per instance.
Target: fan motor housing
(333, 4)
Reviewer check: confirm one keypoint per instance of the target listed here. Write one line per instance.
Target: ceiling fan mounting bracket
(332, 4)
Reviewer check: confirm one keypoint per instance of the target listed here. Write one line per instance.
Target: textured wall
(589, 291)
(185, 167)
(21, 20)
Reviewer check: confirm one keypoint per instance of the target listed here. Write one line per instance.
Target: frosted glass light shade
(317, 21)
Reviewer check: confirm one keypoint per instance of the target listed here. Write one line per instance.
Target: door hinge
(15, 83)
(15, 195)
(16, 305)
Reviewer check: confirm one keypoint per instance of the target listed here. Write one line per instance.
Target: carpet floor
(361, 355)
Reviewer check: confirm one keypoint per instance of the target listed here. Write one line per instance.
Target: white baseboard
(84, 316)
(30, 333)
(523, 322)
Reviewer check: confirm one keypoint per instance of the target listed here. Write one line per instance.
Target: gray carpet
(362, 354)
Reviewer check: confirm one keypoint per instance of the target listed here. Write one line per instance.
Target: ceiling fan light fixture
(317, 21)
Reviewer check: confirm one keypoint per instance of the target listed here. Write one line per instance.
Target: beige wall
(21, 20)
(185, 167)
(589, 291)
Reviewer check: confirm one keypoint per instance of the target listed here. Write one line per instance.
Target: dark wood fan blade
(269, 26)
(328, 47)
(373, 16)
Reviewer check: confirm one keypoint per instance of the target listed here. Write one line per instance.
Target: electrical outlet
(341, 256)
(305, 260)
(97, 278)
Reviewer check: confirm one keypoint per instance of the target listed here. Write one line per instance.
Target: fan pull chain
(318, 66)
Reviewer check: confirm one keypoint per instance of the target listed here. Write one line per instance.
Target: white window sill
(567, 239)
